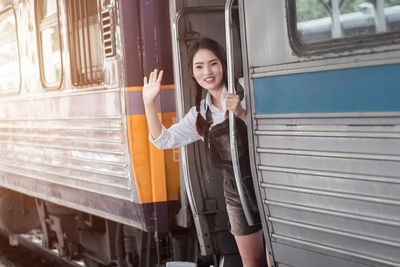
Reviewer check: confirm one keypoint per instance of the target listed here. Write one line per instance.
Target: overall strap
(207, 145)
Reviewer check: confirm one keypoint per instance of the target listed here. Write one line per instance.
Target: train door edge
(250, 128)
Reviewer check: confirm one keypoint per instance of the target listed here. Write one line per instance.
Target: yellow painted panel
(156, 172)
(171, 162)
(139, 152)
(158, 175)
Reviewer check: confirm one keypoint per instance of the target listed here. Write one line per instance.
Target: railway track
(27, 251)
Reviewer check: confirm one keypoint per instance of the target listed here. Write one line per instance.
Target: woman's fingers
(233, 103)
(232, 99)
(160, 76)
(144, 80)
(155, 76)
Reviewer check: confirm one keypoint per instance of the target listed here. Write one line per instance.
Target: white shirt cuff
(162, 140)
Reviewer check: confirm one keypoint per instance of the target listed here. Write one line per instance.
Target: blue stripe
(165, 102)
(366, 89)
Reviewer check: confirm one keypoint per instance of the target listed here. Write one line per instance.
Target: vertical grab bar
(231, 89)
(179, 110)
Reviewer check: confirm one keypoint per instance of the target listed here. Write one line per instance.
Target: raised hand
(151, 87)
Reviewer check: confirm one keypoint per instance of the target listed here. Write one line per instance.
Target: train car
(325, 147)
(76, 162)
(323, 120)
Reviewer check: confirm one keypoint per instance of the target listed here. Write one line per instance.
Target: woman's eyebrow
(201, 62)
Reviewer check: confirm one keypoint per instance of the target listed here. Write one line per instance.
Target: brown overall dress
(221, 159)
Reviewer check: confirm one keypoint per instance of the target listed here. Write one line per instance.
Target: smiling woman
(207, 121)
(207, 70)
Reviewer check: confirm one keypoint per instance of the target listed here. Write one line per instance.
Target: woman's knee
(256, 260)
(251, 249)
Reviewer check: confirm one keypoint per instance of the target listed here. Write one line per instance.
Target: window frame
(48, 22)
(345, 44)
(3, 13)
(75, 40)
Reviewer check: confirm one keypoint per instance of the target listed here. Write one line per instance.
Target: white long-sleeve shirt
(184, 132)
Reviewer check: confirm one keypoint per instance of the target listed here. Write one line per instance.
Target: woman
(207, 121)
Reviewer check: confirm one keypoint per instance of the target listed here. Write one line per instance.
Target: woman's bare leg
(251, 249)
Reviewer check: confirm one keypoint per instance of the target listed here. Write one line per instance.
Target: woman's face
(207, 70)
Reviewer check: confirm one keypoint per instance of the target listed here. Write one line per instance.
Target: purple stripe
(164, 43)
(134, 102)
(150, 42)
(168, 100)
(165, 102)
(132, 38)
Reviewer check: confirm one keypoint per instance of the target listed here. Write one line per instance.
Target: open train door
(191, 20)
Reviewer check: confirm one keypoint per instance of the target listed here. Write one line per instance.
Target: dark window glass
(324, 20)
(10, 77)
(49, 43)
(85, 40)
(48, 8)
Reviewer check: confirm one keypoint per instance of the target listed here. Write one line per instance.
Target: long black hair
(202, 125)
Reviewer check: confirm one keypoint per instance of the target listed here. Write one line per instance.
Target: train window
(85, 40)
(49, 43)
(328, 21)
(10, 77)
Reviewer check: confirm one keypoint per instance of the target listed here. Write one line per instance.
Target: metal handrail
(231, 89)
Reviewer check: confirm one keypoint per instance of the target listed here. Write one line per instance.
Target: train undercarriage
(79, 236)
